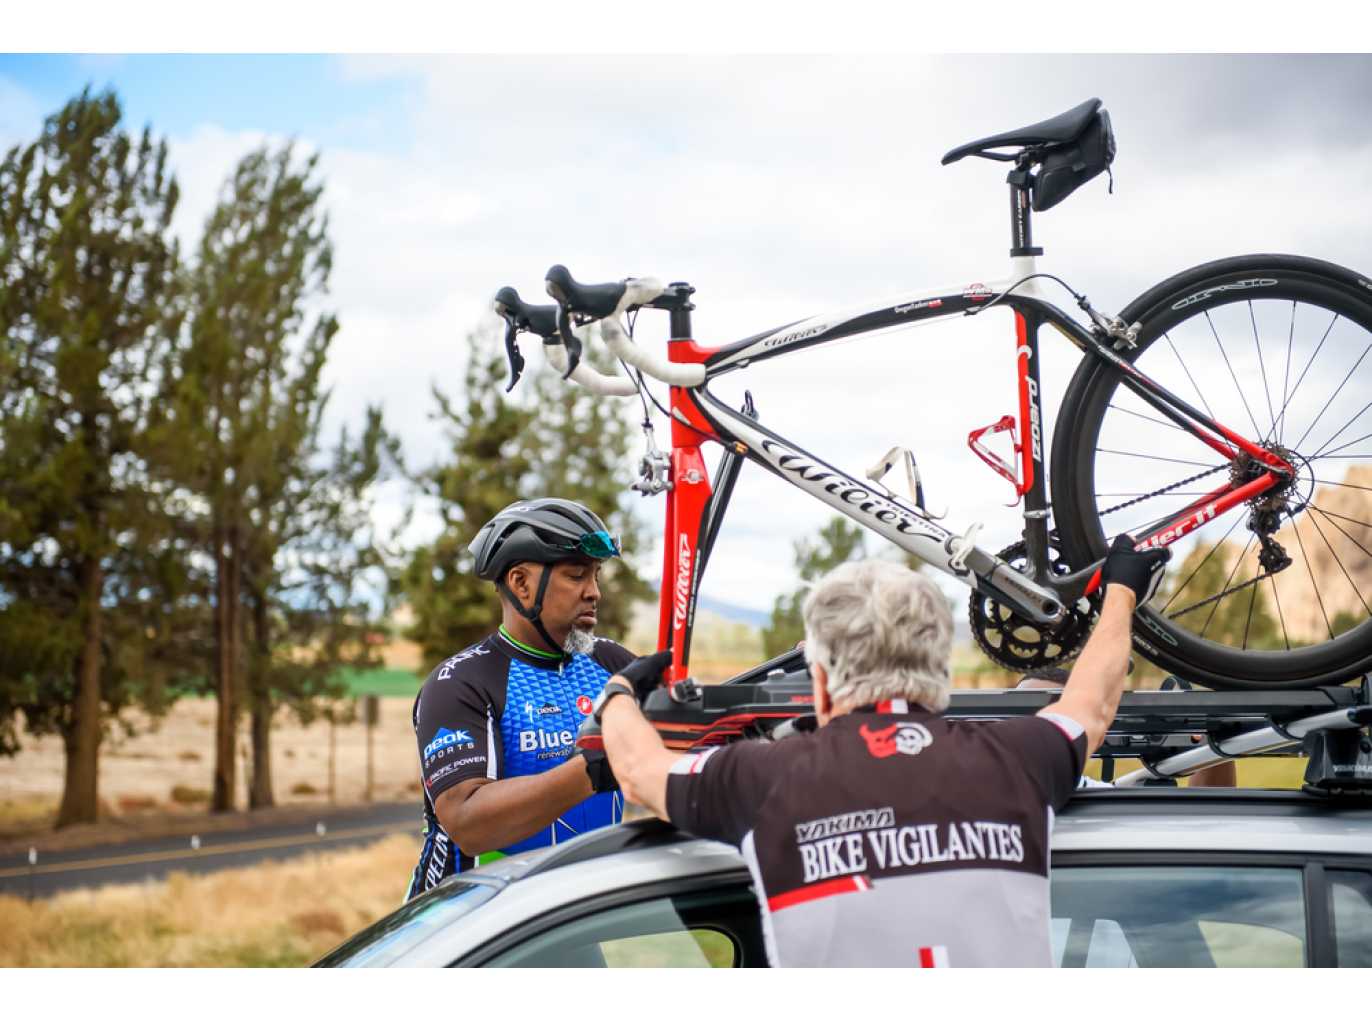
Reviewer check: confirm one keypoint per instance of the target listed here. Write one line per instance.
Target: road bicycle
(1227, 395)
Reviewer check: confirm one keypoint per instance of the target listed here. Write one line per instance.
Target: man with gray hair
(891, 836)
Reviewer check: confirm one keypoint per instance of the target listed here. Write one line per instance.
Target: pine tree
(239, 418)
(837, 542)
(88, 289)
(307, 564)
(551, 439)
(452, 607)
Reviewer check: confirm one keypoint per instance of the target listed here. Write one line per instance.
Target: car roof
(616, 863)
(1101, 818)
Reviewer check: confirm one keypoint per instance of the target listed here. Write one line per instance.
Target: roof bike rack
(1174, 731)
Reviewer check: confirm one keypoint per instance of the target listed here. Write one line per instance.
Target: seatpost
(1021, 225)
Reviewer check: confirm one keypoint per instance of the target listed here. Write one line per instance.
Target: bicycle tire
(1218, 290)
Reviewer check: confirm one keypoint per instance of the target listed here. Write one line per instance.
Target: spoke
(1330, 401)
(1205, 402)
(1149, 456)
(1329, 517)
(1272, 579)
(1262, 367)
(1286, 384)
(1346, 445)
(1341, 431)
(1341, 566)
(1252, 602)
(1156, 421)
(1281, 415)
(1343, 456)
(1344, 485)
(1350, 520)
(1225, 354)
(1215, 608)
(1202, 563)
(1296, 527)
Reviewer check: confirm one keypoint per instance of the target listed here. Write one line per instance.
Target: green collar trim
(525, 648)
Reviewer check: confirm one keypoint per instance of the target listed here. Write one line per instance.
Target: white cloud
(784, 187)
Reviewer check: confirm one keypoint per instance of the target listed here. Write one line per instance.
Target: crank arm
(1024, 595)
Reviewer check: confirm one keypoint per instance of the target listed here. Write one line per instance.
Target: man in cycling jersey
(496, 722)
(890, 836)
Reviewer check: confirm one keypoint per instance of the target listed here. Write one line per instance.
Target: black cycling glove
(645, 673)
(598, 770)
(1141, 572)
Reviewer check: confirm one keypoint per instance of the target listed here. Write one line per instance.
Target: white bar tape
(584, 375)
(649, 364)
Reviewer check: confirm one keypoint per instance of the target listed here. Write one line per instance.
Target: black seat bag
(1067, 167)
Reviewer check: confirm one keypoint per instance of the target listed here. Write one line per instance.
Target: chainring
(1010, 640)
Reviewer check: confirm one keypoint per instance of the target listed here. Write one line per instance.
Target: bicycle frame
(695, 508)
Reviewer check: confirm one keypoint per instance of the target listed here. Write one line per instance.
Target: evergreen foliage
(557, 441)
(283, 525)
(837, 542)
(88, 299)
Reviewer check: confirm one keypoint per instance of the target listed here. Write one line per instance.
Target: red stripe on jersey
(852, 883)
(933, 956)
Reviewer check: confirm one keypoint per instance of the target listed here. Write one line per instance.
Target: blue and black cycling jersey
(500, 709)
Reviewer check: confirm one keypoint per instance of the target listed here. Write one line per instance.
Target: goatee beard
(580, 641)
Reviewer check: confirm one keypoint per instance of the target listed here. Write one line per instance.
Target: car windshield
(396, 934)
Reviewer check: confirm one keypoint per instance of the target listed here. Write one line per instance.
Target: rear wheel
(1277, 592)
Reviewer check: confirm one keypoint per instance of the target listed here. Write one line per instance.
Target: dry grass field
(282, 914)
(165, 768)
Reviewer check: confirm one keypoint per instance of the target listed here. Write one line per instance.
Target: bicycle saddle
(1065, 127)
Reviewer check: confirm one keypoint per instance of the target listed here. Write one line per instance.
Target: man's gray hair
(880, 631)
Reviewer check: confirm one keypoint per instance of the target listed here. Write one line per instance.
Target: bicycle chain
(1168, 488)
(1165, 488)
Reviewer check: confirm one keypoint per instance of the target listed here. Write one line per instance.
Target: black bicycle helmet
(546, 531)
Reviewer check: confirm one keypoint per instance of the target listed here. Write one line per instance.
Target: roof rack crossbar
(1257, 741)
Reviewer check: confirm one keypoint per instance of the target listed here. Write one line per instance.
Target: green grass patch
(384, 682)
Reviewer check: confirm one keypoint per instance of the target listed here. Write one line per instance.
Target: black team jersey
(892, 836)
(497, 710)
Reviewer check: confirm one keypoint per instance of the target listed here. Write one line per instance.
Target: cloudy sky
(780, 186)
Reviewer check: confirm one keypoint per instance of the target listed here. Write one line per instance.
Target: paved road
(58, 871)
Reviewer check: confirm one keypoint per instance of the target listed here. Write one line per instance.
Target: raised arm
(1092, 694)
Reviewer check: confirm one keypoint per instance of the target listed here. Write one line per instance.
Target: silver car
(1142, 877)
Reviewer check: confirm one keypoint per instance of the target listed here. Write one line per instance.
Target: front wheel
(1276, 592)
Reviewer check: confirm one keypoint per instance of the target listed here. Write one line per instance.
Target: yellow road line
(209, 851)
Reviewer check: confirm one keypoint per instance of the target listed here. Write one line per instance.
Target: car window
(1350, 893)
(719, 928)
(418, 920)
(1178, 916)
